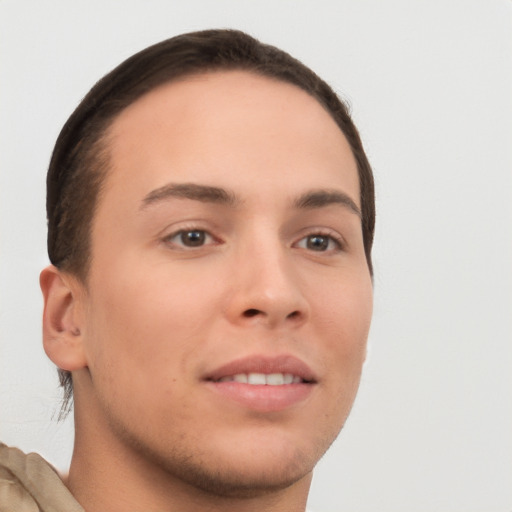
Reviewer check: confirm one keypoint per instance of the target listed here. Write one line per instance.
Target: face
(229, 299)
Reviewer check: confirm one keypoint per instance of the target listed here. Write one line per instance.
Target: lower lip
(263, 398)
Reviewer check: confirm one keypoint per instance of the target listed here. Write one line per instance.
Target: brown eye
(193, 238)
(189, 239)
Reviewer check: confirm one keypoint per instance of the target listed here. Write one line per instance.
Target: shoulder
(28, 483)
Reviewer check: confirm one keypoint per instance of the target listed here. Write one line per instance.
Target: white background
(430, 84)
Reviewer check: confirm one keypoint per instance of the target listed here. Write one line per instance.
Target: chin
(248, 466)
(246, 478)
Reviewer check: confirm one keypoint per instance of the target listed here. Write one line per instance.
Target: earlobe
(62, 319)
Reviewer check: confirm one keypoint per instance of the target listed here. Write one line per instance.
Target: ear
(63, 324)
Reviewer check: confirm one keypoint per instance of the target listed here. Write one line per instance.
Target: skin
(155, 315)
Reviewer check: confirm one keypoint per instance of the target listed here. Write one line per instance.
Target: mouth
(263, 384)
(264, 379)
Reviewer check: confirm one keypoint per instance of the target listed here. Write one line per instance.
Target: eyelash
(206, 238)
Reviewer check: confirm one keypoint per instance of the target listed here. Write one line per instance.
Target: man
(210, 216)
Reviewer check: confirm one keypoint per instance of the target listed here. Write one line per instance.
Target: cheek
(346, 309)
(145, 329)
(345, 314)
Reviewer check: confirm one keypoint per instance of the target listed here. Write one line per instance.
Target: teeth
(275, 379)
(260, 379)
(256, 378)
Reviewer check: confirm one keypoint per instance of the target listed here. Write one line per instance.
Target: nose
(266, 290)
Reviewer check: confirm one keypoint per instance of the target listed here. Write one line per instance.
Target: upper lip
(264, 364)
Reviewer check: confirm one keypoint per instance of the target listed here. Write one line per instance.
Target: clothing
(29, 484)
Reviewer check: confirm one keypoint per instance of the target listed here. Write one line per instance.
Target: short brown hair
(79, 161)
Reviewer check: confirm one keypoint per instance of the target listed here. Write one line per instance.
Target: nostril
(251, 312)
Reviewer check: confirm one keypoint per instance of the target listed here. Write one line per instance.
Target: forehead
(225, 91)
(221, 125)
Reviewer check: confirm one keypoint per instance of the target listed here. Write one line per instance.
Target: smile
(262, 379)
(263, 384)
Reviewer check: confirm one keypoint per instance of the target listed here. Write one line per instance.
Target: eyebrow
(217, 195)
(321, 198)
(193, 191)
